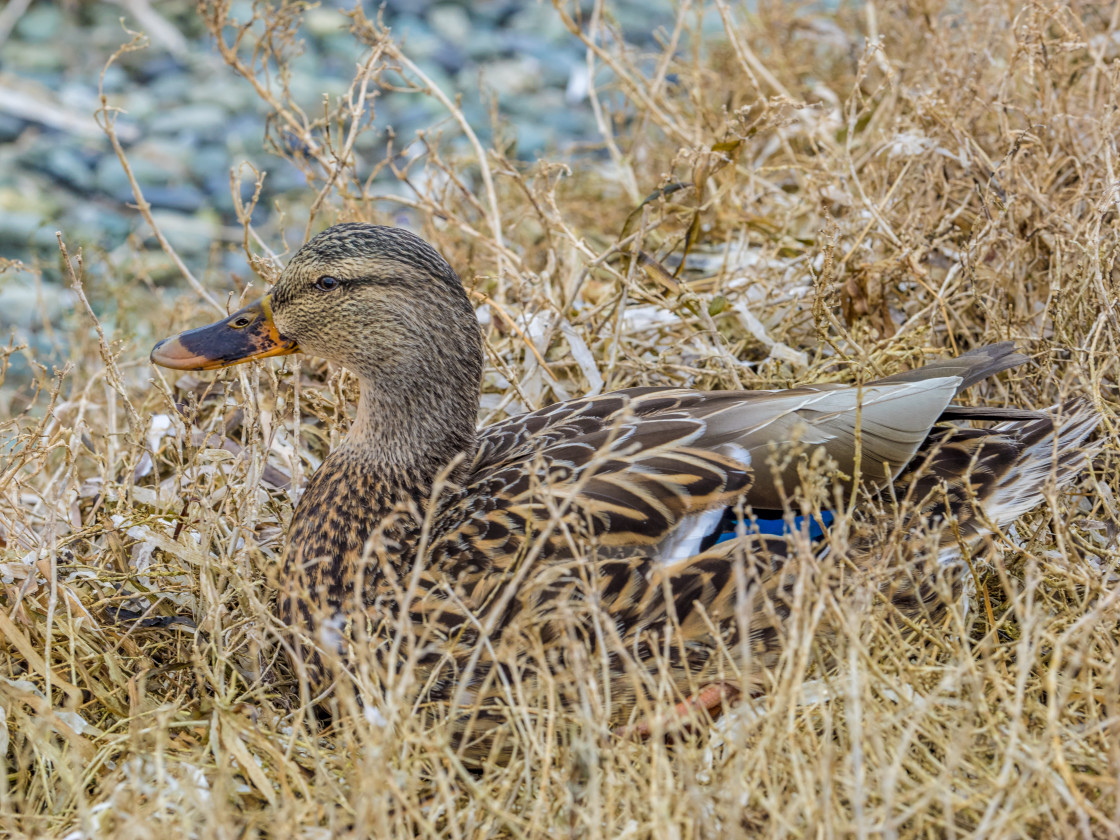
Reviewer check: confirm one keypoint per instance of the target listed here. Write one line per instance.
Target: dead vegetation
(792, 196)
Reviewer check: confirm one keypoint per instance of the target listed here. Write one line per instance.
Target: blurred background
(185, 120)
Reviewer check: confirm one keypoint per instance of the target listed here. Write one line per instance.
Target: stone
(450, 22)
(26, 301)
(65, 165)
(33, 61)
(323, 22)
(188, 234)
(198, 120)
(186, 198)
(510, 76)
(10, 127)
(40, 24)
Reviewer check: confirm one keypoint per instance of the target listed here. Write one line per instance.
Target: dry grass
(854, 192)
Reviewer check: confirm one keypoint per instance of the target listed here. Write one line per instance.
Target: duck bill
(246, 335)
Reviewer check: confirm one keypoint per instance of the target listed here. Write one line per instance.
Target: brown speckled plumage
(568, 533)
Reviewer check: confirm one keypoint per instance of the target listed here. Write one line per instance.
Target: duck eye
(327, 283)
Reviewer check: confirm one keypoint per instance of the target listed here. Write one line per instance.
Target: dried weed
(785, 197)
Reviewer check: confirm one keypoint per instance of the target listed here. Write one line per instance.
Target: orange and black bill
(245, 335)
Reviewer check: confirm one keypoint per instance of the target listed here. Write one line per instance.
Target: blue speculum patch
(777, 527)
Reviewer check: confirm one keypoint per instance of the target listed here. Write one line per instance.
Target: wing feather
(627, 468)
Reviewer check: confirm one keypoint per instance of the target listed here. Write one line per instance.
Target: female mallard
(628, 538)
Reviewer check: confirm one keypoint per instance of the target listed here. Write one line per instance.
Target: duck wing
(632, 467)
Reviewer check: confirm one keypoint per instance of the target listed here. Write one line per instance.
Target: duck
(633, 551)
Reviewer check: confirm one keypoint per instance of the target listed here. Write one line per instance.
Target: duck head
(381, 302)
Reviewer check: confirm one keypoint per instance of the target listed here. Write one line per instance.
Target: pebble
(20, 230)
(39, 24)
(65, 164)
(324, 22)
(417, 40)
(190, 234)
(510, 77)
(196, 120)
(33, 60)
(184, 198)
(452, 23)
(10, 127)
(29, 302)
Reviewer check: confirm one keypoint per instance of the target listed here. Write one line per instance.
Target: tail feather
(971, 367)
(1003, 470)
(1052, 453)
(988, 413)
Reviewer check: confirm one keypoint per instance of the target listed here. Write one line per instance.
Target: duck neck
(365, 506)
(414, 435)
